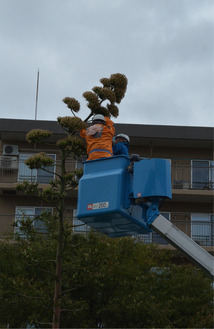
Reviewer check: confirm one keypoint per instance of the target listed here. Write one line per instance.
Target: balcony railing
(192, 177)
(13, 170)
(183, 177)
(200, 231)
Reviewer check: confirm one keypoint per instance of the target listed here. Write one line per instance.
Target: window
(202, 174)
(35, 175)
(79, 226)
(79, 162)
(202, 228)
(31, 213)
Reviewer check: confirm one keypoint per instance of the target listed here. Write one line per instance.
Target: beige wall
(172, 152)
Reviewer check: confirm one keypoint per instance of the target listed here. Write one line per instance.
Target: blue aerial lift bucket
(119, 198)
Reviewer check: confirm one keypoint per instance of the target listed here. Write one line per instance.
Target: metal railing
(182, 176)
(16, 170)
(200, 231)
(192, 177)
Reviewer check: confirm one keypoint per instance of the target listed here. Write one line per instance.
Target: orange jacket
(99, 139)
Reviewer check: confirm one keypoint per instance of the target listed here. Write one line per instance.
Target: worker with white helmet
(99, 137)
(121, 145)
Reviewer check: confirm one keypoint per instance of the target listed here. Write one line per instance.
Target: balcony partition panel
(181, 174)
(182, 221)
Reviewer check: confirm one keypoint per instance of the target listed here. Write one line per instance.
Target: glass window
(78, 165)
(79, 226)
(30, 213)
(39, 224)
(202, 228)
(202, 174)
(22, 213)
(24, 172)
(35, 175)
(79, 162)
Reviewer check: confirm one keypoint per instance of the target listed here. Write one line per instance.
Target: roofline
(133, 130)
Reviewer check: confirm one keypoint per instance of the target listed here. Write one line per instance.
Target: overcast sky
(164, 47)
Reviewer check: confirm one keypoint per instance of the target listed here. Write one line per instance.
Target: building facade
(189, 150)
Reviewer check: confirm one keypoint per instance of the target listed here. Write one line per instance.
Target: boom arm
(181, 241)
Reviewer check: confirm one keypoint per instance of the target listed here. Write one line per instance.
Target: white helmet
(126, 137)
(98, 117)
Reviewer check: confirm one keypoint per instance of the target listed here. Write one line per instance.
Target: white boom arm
(181, 241)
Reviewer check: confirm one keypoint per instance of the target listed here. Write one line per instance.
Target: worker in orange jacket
(99, 137)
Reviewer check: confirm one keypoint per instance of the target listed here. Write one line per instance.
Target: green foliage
(119, 283)
(25, 225)
(28, 188)
(25, 282)
(50, 194)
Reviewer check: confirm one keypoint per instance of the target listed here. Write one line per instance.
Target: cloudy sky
(164, 47)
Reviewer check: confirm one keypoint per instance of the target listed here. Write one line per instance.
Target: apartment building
(189, 150)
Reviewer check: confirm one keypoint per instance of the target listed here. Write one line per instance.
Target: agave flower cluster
(38, 135)
(112, 92)
(72, 104)
(71, 124)
(39, 160)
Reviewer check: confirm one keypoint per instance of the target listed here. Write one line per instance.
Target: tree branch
(88, 117)
(74, 310)
(68, 290)
(44, 323)
(50, 172)
(31, 297)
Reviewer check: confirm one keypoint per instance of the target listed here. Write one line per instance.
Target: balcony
(199, 227)
(191, 177)
(197, 176)
(13, 170)
(200, 230)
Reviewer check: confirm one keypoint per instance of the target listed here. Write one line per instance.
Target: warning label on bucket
(98, 205)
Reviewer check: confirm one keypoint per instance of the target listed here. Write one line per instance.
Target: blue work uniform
(121, 148)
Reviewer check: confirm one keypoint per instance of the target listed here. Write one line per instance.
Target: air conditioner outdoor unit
(8, 163)
(10, 150)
